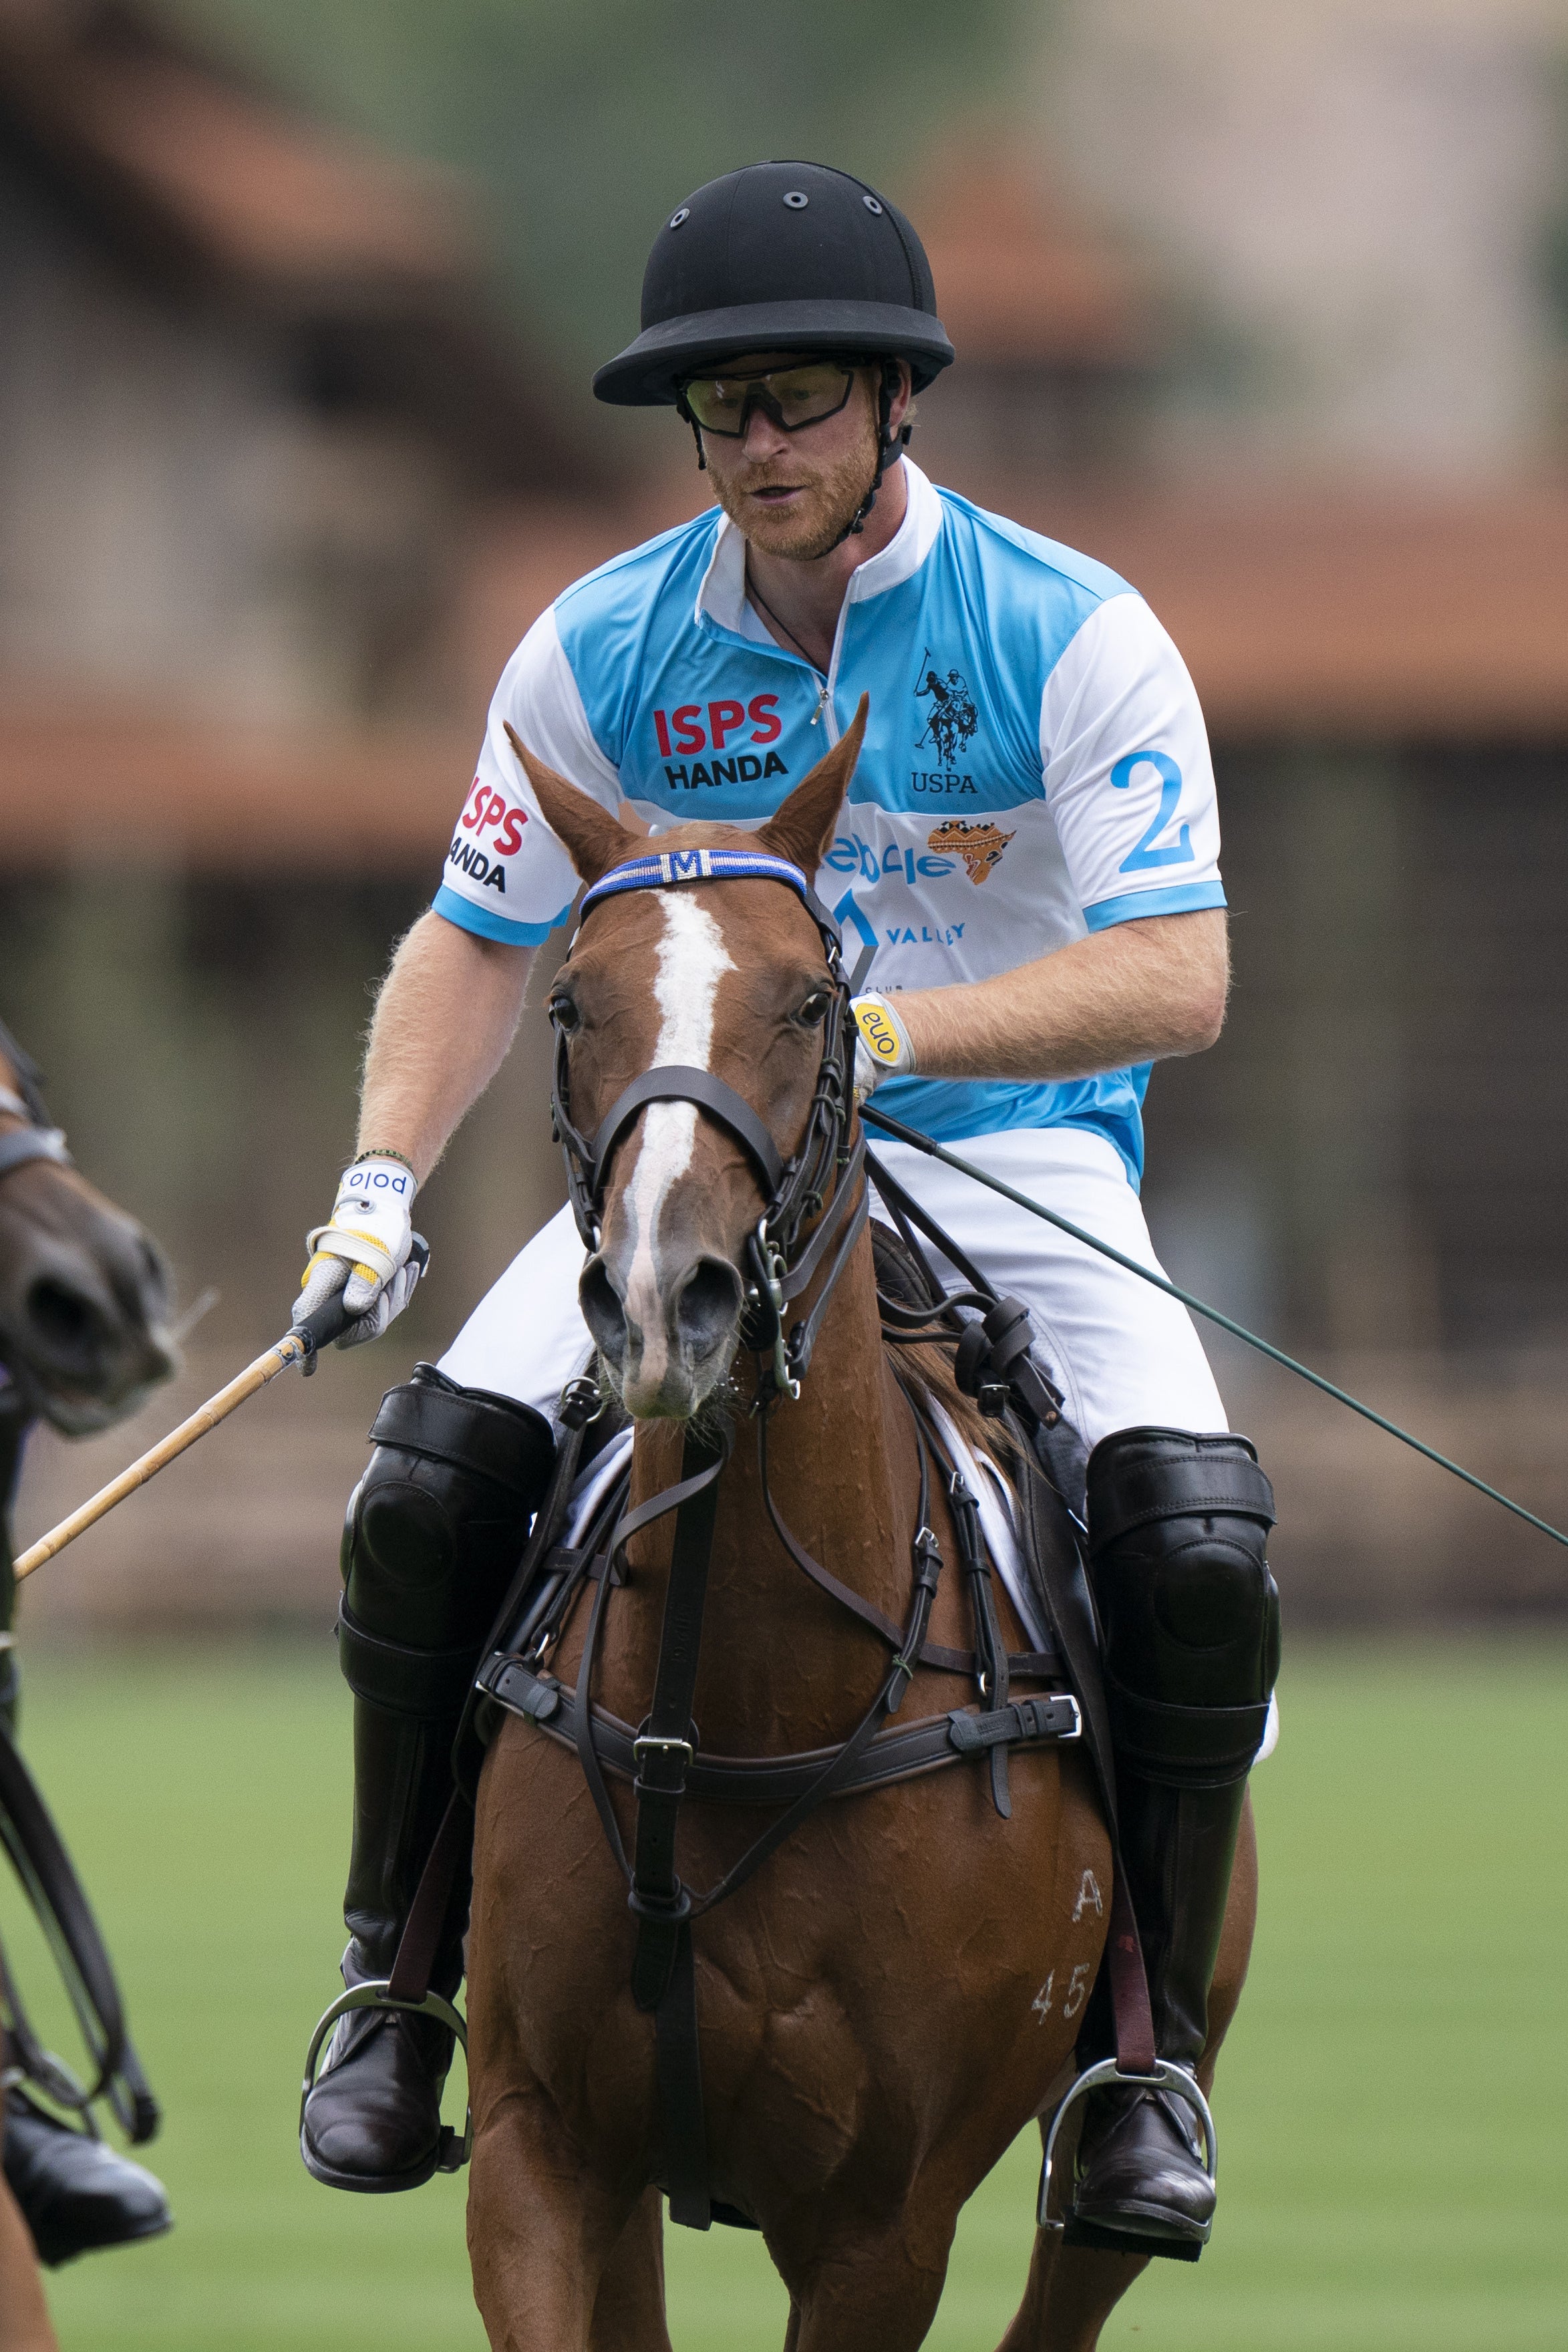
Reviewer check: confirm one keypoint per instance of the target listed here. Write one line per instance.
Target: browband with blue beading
(663, 867)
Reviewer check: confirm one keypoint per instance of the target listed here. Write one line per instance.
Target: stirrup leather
(1166, 2076)
(376, 1992)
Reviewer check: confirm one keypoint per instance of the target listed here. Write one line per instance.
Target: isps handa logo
(487, 812)
(979, 845)
(694, 727)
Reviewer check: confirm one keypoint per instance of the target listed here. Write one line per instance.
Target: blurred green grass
(1391, 2104)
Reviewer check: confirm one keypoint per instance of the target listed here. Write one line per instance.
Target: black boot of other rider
(433, 1534)
(1190, 1620)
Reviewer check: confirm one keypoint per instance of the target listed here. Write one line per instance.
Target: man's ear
(592, 838)
(802, 829)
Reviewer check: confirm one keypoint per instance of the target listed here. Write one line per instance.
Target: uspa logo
(979, 845)
(950, 715)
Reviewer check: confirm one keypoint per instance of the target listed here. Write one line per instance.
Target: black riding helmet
(779, 257)
(782, 257)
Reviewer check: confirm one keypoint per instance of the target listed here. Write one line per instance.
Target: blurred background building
(1265, 308)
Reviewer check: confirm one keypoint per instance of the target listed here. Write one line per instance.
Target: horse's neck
(779, 1656)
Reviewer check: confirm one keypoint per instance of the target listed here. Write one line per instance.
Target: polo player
(1019, 999)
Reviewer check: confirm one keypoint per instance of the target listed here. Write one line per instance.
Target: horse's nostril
(709, 1305)
(603, 1311)
(61, 1316)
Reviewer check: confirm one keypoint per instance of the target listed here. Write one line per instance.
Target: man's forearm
(1138, 992)
(447, 1014)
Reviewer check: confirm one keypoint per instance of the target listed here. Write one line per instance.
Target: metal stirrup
(376, 1993)
(1167, 2076)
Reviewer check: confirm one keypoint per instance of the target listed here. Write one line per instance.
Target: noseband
(780, 1264)
(39, 1138)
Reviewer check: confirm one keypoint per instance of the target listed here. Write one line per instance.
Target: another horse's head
(729, 977)
(83, 1290)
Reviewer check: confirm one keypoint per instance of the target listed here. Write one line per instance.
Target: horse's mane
(928, 1365)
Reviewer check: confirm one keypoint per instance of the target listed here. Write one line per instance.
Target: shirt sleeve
(506, 875)
(1128, 777)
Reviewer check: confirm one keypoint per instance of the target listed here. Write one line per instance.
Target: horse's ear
(592, 838)
(802, 827)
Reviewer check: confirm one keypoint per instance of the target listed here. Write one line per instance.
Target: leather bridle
(783, 1258)
(38, 1138)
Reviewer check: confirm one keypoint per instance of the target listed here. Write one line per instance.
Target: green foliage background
(588, 119)
(1390, 2102)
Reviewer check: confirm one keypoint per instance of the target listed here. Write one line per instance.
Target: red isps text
(683, 729)
(488, 808)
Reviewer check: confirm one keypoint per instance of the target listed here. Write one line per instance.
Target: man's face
(793, 494)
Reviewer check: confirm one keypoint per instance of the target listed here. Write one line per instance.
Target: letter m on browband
(685, 864)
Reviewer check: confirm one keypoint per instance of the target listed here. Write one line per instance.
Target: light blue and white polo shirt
(1035, 763)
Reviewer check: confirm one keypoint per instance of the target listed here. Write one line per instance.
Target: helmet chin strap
(889, 446)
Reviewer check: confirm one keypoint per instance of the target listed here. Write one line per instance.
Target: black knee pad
(1189, 1613)
(437, 1525)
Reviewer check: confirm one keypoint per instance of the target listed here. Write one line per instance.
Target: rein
(901, 1134)
(38, 1138)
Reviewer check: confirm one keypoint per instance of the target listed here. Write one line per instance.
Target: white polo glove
(883, 1049)
(363, 1250)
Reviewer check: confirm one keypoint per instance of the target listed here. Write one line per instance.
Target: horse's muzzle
(665, 1363)
(83, 1320)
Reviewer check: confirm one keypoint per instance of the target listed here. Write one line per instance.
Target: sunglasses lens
(791, 397)
(718, 403)
(806, 393)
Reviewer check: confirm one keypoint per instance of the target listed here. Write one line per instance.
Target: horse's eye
(814, 1010)
(565, 1014)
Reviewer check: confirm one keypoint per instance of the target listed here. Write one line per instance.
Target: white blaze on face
(692, 962)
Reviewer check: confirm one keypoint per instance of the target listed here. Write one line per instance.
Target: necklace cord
(753, 590)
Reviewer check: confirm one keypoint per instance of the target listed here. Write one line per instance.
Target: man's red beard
(829, 499)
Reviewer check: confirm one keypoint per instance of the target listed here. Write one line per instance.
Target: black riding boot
(1190, 1622)
(434, 1531)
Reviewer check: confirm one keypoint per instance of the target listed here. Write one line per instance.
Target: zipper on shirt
(825, 709)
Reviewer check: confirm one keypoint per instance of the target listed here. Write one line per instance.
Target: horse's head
(83, 1290)
(729, 977)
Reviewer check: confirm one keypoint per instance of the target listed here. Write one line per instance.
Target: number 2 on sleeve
(1139, 859)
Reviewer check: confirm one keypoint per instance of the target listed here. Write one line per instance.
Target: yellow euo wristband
(883, 1034)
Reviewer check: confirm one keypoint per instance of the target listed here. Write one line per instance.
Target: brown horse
(894, 1995)
(84, 1307)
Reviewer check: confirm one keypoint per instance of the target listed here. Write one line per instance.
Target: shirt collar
(721, 598)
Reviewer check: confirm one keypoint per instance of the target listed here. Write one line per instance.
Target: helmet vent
(796, 201)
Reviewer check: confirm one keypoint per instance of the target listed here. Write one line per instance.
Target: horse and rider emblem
(951, 718)
(979, 845)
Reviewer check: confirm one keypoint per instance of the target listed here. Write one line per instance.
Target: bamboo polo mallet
(299, 1346)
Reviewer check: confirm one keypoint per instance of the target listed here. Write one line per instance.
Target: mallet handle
(322, 1327)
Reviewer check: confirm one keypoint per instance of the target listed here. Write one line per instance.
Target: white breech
(1122, 1352)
